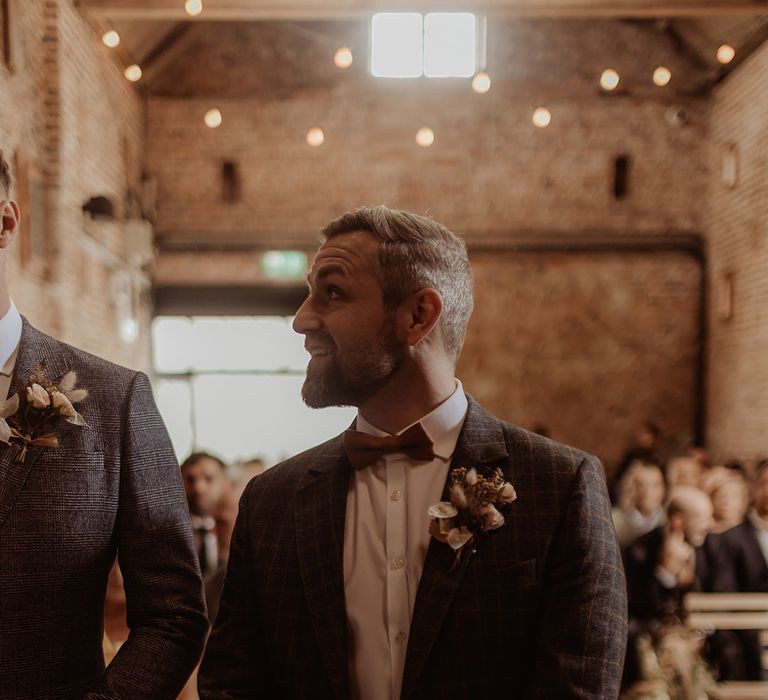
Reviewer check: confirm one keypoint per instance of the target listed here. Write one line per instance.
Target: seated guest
(643, 511)
(684, 470)
(645, 448)
(205, 483)
(742, 566)
(663, 565)
(730, 496)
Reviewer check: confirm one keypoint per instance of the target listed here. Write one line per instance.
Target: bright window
(438, 45)
(232, 386)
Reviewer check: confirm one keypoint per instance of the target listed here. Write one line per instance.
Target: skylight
(409, 45)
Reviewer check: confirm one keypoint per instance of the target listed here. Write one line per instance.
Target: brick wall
(587, 344)
(69, 115)
(738, 248)
(490, 171)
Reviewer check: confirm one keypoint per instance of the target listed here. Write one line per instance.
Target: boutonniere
(33, 420)
(472, 510)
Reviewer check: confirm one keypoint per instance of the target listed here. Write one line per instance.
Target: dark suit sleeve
(235, 663)
(166, 609)
(579, 652)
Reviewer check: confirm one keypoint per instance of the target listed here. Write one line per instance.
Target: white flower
(507, 494)
(458, 537)
(5, 432)
(442, 509)
(472, 476)
(492, 519)
(67, 387)
(38, 396)
(458, 497)
(63, 405)
(9, 407)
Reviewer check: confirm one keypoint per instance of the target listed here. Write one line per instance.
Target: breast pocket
(503, 574)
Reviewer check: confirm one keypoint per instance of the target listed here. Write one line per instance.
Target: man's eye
(333, 292)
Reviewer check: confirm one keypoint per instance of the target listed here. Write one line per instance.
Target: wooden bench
(731, 611)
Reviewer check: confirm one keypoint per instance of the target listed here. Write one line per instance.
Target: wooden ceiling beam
(228, 10)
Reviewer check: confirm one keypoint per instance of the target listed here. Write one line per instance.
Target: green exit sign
(284, 264)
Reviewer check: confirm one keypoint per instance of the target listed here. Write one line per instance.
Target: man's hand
(678, 558)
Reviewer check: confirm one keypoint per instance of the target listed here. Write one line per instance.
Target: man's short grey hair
(5, 177)
(417, 253)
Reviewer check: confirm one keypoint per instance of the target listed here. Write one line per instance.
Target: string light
(111, 39)
(193, 7)
(726, 53)
(610, 79)
(541, 117)
(213, 118)
(343, 57)
(425, 137)
(315, 136)
(133, 73)
(481, 83)
(662, 75)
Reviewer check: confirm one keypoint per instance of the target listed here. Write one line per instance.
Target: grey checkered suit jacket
(537, 611)
(113, 486)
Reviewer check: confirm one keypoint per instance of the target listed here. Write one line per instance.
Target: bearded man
(433, 551)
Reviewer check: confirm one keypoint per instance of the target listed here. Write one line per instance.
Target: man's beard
(351, 377)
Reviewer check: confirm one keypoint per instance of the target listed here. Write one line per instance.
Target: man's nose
(306, 319)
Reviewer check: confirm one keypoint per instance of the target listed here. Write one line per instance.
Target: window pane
(397, 45)
(172, 344)
(241, 417)
(174, 401)
(243, 343)
(449, 45)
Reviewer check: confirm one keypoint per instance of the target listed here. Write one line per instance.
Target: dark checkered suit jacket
(538, 611)
(111, 487)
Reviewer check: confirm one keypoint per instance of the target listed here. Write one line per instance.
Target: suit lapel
(481, 443)
(319, 515)
(34, 348)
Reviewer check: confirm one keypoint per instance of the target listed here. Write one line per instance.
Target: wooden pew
(730, 611)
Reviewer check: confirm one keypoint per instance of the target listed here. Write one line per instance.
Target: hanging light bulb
(193, 7)
(213, 118)
(343, 57)
(315, 136)
(610, 79)
(425, 137)
(481, 83)
(111, 39)
(541, 117)
(662, 75)
(726, 53)
(133, 73)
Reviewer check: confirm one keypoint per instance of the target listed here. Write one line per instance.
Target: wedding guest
(742, 567)
(89, 474)
(730, 496)
(644, 510)
(335, 586)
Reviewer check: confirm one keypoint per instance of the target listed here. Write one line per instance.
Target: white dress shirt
(385, 543)
(10, 337)
(761, 528)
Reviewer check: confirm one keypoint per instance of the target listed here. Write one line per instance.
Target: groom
(87, 472)
(335, 587)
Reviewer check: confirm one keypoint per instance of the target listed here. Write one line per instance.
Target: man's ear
(676, 522)
(9, 211)
(419, 314)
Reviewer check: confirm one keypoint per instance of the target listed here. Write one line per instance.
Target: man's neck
(5, 298)
(406, 399)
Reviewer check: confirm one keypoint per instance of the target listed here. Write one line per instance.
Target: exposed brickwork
(587, 344)
(738, 238)
(68, 110)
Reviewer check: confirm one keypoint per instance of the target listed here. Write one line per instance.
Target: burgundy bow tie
(363, 450)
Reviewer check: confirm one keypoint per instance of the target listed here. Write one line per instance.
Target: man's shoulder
(525, 447)
(71, 357)
(739, 534)
(291, 473)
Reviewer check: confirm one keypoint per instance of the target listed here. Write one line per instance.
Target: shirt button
(400, 637)
(396, 495)
(398, 563)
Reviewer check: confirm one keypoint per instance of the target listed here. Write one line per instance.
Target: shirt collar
(443, 424)
(10, 336)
